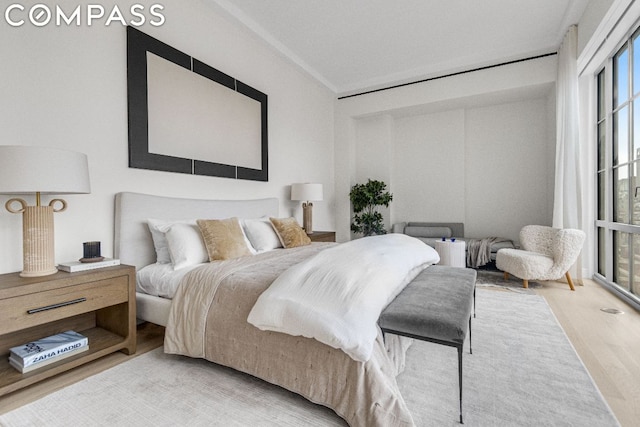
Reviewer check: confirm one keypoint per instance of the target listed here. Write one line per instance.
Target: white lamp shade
(28, 169)
(306, 191)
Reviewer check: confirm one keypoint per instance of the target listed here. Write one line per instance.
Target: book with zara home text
(47, 348)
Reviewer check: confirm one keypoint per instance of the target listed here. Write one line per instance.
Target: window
(617, 169)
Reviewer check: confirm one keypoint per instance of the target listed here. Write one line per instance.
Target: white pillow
(261, 234)
(246, 239)
(159, 239)
(186, 246)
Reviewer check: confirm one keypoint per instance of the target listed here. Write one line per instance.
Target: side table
(452, 253)
(100, 304)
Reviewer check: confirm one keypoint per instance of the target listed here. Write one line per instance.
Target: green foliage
(365, 199)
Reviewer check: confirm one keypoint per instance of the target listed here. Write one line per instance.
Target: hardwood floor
(608, 344)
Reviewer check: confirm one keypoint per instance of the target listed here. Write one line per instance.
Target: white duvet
(336, 297)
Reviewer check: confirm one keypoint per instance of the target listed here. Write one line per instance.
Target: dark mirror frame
(138, 44)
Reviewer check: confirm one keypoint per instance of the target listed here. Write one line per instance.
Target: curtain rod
(448, 75)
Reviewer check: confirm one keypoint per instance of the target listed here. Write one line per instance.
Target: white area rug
(523, 372)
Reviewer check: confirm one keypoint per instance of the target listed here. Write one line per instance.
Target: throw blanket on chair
(479, 250)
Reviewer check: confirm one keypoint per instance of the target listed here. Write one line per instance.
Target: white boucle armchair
(547, 254)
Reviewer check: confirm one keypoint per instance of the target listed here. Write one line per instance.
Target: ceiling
(357, 45)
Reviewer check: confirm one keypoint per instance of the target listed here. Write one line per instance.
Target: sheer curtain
(567, 200)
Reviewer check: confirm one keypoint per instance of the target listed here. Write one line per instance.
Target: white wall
(374, 148)
(487, 166)
(66, 87)
(429, 168)
(474, 148)
(509, 159)
(590, 20)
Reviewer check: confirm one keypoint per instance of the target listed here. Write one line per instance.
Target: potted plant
(365, 199)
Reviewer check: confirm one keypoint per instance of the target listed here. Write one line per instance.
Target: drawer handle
(52, 306)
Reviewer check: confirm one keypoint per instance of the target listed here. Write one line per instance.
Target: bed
(208, 315)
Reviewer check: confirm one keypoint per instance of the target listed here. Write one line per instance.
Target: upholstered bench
(436, 307)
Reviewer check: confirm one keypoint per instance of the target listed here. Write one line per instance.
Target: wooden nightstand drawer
(323, 236)
(35, 309)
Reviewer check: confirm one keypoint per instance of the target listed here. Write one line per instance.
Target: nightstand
(99, 304)
(323, 236)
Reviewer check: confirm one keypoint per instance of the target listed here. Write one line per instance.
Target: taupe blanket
(209, 319)
(479, 250)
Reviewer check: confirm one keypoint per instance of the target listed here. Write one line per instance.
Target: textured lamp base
(38, 258)
(37, 241)
(307, 217)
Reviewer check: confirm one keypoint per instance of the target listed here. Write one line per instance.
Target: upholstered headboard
(133, 244)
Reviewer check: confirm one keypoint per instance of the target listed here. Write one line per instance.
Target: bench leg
(460, 379)
(470, 349)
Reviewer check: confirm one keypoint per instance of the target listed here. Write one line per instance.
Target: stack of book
(39, 353)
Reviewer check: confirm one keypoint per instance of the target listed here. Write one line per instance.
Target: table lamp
(306, 192)
(40, 170)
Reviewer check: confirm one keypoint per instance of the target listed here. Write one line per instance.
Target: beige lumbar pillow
(289, 232)
(223, 238)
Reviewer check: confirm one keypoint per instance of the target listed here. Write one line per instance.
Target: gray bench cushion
(436, 305)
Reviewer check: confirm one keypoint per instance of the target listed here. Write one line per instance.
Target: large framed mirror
(188, 117)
